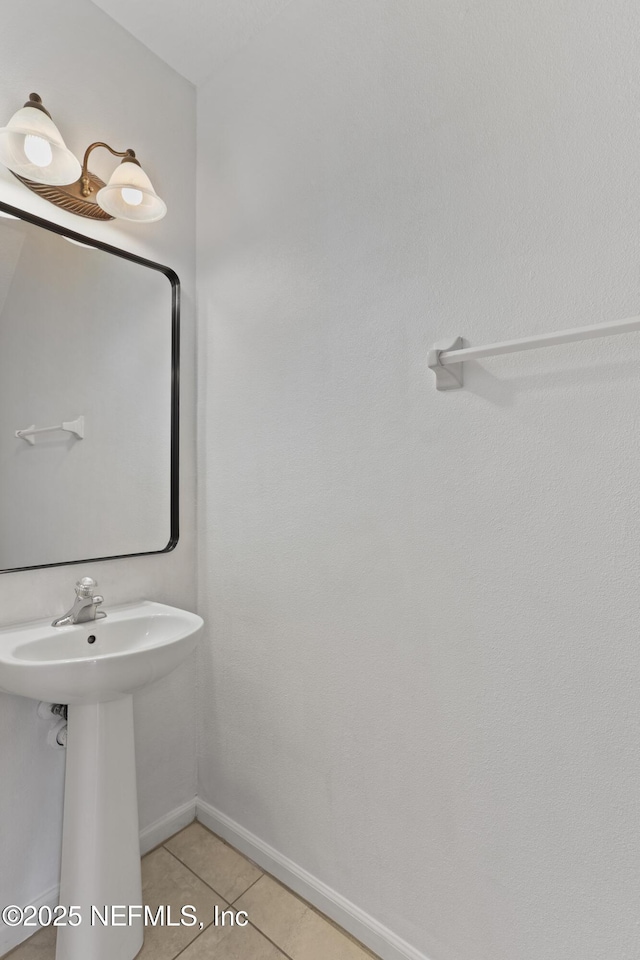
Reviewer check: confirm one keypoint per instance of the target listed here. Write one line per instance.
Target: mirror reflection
(88, 431)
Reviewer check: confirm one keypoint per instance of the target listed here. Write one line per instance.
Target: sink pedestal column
(100, 840)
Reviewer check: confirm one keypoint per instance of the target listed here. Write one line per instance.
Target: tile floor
(196, 867)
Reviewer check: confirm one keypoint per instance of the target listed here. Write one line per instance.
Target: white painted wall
(423, 664)
(101, 84)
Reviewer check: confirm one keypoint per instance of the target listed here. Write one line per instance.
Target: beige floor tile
(166, 881)
(227, 871)
(236, 943)
(41, 946)
(297, 929)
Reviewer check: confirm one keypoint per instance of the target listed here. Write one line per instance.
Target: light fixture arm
(128, 155)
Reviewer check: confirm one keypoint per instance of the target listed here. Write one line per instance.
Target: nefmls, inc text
(124, 915)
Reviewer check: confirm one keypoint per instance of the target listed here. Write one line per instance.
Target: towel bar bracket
(451, 376)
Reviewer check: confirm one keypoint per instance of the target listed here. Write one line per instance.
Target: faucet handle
(85, 587)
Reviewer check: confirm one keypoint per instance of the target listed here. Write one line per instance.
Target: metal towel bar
(70, 426)
(447, 356)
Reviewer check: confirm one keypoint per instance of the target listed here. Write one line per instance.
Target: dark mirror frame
(173, 279)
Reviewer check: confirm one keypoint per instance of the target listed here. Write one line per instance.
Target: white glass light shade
(32, 147)
(130, 196)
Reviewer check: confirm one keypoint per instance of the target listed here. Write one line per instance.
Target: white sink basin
(135, 644)
(95, 667)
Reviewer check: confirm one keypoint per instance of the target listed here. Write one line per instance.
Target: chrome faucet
(84, 606)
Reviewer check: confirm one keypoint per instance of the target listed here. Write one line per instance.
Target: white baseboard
(347, 915)
(11, 937)
(160, 830)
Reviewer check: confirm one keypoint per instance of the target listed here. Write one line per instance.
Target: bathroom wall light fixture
(32, 148)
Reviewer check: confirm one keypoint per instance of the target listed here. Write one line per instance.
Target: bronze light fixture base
(70, 196)
(78, 197)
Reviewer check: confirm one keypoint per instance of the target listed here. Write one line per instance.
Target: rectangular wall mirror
(89, 338)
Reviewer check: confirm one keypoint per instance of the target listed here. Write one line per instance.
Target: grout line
(226, 842)
(233, 902)
(323, 916)
(187, 867)
(272, 942)
(265, 873)
(191, 942)
(153, 850)
(258, 931)
(229, 904)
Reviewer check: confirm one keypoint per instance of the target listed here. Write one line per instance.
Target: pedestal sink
(95, 667)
